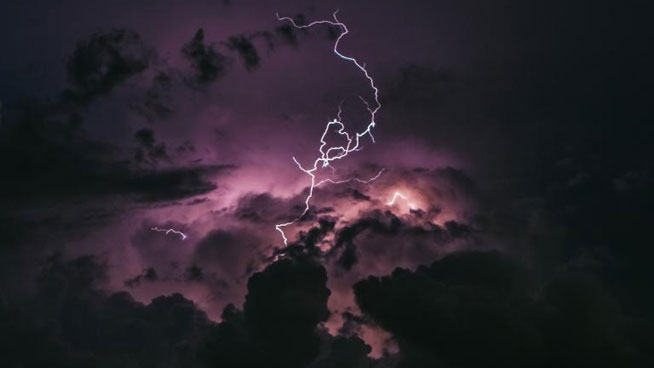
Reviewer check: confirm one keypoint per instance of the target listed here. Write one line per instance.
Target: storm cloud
(507, 223)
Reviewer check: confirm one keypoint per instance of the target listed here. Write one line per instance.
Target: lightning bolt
(397, 195)
(352, 179)
(168, 231)
(333, 153)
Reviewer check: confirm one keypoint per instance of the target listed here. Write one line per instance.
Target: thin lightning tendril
(333, 153)
(352, 179)
(168, 231)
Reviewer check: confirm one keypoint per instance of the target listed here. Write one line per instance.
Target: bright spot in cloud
(399, 198)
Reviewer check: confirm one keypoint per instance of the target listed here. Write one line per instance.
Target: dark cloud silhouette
(47, 161)
(44, 141)
(261, 207)
(477, 308)
(245, 49)
(208, 63)
(283, 307)
(316, 234)
(149, 152)
(149, 274)
(229, 251)
(349, 352)
(158, 102)
(288, 33)
(385, 224)
(103, 61)
(359, 196)
(193, 273)
(73, 323)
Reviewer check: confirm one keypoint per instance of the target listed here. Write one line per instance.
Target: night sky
(501, 217)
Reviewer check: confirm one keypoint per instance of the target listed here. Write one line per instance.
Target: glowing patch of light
(333, 153)
(399, 195)
(168, 231)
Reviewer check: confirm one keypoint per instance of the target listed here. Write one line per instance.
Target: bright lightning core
(398, 195)
(333, 153)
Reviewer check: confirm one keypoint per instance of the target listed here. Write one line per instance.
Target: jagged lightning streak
(397, 195)
(334, 153)
(361, 181)
(168, 231)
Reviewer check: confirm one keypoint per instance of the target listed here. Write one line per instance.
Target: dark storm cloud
(73, 323)
(15, 230)
(563, 163)
(262, 208)
(149, 274)
(359, 196)
(384, 224)
(103, 61)
(158, 100)
(49, 155)
(578, 194)
(284, 305)
(170, 184)
(197, 201)
(288, 34)
(207, 62)
(245, 49)
(315, 235)
(46, 148)
(145, 137)
(308, 242)
(229, 253)
(548, 102)
(342, 351)
(37, 134)
(483, 310)
(149, 152)
(352, 324)
(193, 273)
